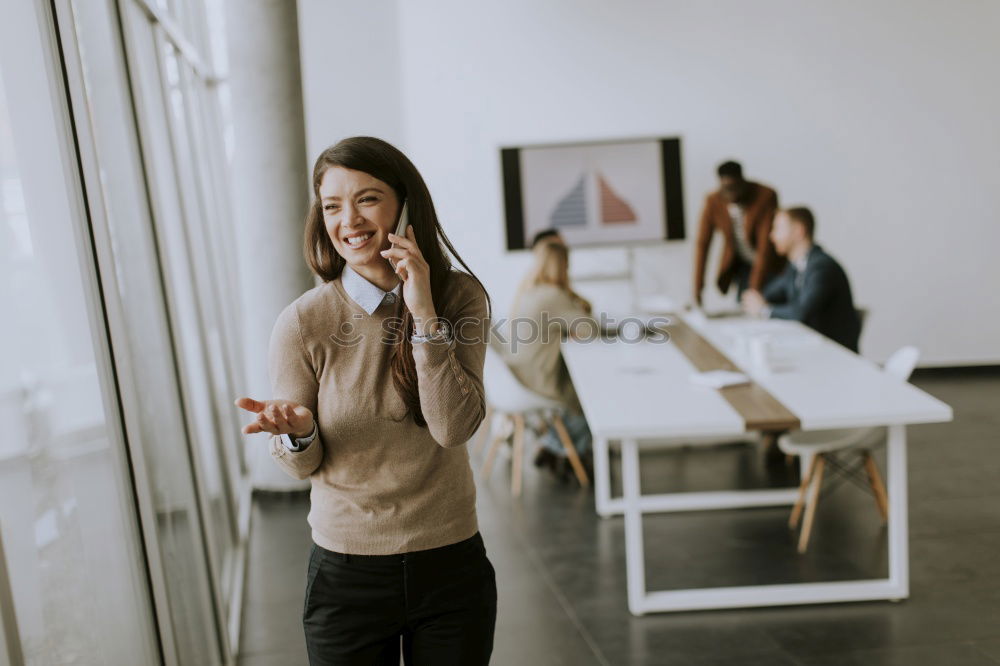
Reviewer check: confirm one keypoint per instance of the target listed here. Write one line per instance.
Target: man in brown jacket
(743, 212)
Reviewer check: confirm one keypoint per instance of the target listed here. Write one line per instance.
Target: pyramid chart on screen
(614, 209)
(571, 211)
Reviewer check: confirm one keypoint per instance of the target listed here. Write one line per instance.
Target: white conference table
(640, 393)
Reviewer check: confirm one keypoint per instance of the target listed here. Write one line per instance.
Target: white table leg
(602, 477)
(707, 500)
(641, 601)
(899, 529)
(635, 566)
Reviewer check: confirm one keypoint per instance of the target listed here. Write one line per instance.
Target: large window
(73, 580)
(176, 91)
(124, 491)
(148, 96)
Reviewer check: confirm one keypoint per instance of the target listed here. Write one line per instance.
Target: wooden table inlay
(759, 409)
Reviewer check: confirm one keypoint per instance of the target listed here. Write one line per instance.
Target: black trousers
(438, 606)
(741, 276)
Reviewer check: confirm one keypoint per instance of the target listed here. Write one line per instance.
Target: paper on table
(719, 378)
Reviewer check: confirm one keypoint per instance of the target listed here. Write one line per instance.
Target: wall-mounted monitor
(595, 193)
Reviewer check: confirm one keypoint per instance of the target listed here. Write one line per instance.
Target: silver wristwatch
(442, 334)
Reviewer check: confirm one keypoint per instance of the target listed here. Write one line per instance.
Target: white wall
(350, 71)
(880, 116)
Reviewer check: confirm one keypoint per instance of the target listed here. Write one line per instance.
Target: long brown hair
(551, 266)
(387, 163)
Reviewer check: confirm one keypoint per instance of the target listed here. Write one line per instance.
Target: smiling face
(359, 213)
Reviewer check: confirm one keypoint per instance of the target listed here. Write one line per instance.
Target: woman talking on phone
(377, 387)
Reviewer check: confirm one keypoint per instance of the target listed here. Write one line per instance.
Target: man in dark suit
(813, 288)
(742, 212)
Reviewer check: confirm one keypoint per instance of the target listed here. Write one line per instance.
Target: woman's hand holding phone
(413, 270)
(278, 417)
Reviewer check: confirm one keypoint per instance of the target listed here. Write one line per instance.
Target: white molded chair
(818, 448)
(508, 403)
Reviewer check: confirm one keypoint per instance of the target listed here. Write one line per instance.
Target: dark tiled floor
(561, 571)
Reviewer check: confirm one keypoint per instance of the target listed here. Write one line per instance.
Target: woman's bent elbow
(450, 438)
(300, 473)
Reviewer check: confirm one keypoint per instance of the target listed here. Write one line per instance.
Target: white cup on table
(759, 351)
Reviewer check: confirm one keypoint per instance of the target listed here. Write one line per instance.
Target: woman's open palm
(278, 417)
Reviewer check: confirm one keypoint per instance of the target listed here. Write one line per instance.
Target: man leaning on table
(742, 211)
(813, 289)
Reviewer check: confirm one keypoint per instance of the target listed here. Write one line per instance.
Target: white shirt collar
(800, 263)
(364, 293)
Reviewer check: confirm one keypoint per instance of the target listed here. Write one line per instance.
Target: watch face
(443, 332)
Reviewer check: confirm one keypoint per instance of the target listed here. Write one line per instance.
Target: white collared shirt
(800, 266)
(739, 218)
(366, 294)
(800, 263)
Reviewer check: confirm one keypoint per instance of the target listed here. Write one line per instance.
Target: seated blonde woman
(546, 309)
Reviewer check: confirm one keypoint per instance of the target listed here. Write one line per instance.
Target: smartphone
(401, 225)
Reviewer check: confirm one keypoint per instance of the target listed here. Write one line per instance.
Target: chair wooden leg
(815, 483)
(875, 479)
(517, 459)
(484, 431)
(574, 458)
(793, 520)
(491, 455)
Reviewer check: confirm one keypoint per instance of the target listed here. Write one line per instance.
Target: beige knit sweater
(535, 359)
(380, 483)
